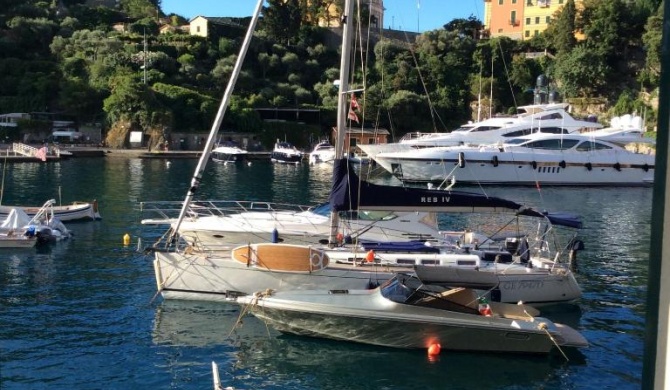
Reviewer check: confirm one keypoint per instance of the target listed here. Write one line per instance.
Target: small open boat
(323, 152)
(70, 212)
(284, 152)
(10, 239)
(18, 230)
(228, 152)
(407, 313)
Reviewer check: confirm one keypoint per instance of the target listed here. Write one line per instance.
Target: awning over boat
(351, 193)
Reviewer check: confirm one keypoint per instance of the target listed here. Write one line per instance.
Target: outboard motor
(44, 235)
(58, 229)
(524, 251)
(575, 245)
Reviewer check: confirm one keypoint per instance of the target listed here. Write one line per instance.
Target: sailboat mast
(202, 164)
(347, 31)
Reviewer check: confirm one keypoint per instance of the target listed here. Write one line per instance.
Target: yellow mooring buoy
(126, 239)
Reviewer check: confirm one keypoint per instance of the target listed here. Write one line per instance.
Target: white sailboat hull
(215, 276)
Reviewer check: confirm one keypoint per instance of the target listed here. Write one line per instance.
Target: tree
(562, 29)
(470, 27)
(602, 22)
(524, 72)
(651, 73)
(582, 72)
(282, 18)
(78, 98)
(140, 8)
(32, 36)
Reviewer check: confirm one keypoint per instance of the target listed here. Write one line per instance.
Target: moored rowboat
(72, 212)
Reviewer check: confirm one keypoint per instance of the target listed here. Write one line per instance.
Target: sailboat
(189, 265)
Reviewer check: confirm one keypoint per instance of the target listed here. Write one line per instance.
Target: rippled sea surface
(84, 314)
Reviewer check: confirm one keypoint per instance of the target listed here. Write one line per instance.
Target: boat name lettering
(435, 199)
(522, 285)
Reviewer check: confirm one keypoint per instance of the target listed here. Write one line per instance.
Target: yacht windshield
(323, 209)
(485, 128)
(396, 291)
(515, 141)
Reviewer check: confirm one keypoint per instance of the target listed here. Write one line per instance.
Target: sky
(407, 15)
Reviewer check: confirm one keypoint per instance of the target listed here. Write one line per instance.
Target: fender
(461, 160)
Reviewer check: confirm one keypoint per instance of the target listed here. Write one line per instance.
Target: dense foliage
(93, 63)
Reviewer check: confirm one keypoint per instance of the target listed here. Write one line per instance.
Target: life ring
(588, 166)
(617, 166)
(316, 260)
(461, 159)
(533, 164)
(562, 164)
(494, 161)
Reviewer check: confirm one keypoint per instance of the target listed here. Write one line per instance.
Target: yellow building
(201, 25)
(520, 19)
(376, 11)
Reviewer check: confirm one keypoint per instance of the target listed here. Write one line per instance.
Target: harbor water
(83, 314)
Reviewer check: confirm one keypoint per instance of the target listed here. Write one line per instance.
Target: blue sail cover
(564, 219)
(350, 193)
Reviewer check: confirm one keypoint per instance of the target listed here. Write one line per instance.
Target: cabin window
(518, 133)
(371, 141)
(590, 145)
(553, 144)
(554, 130)
(553, 115)
(485, 128)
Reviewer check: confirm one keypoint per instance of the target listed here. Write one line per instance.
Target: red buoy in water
(370, 256)
(434, 349)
